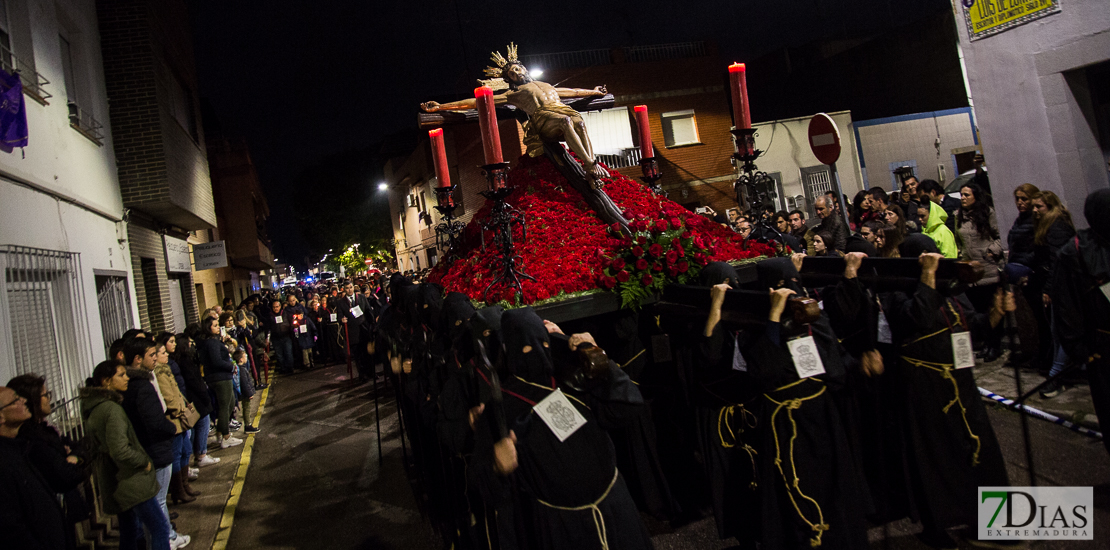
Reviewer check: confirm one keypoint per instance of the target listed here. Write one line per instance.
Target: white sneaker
(194, 474)
(180, 542)
(207, 461)
(230, 442)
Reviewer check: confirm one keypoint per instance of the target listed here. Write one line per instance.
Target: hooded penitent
(527, 346)
(430, 305)
(916, 244)
(778, 273)
(718, 272)
(485, 327)
(457, 311)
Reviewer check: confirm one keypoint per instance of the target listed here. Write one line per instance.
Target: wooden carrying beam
(743, 307)
(888, 274)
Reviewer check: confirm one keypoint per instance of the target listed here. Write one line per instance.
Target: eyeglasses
(17, 400)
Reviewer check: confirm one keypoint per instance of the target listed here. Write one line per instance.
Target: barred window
(44, 326)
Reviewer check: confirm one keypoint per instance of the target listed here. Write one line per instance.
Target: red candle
(738, 77)
(439, 156)
(487, 121)
(646, 150)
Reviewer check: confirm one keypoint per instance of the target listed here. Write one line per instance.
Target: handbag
(190, 417)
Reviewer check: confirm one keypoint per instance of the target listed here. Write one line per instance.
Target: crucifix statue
(550, 121)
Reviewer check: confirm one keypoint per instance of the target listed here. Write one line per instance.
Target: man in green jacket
(933, 221)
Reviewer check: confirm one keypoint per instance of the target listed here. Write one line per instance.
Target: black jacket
(196, 391)
(144, 409)
(30, 518)
(216, 360)
(1045, 255)
(1083, 324)
(833, 224)
(1020, 240)
(47, 453)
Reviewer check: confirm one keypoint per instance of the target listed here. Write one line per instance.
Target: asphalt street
(316, 479)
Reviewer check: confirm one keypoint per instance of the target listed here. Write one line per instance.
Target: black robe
(950, 446)
(574, 495)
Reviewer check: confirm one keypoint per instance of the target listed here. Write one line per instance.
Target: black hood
(408, 304)
(859, 244)
(778, 273)
(457, 311)
(915, 244)
(488, 319)
(1097, 212)
(716, 272)
(430, 300)
(522, 329)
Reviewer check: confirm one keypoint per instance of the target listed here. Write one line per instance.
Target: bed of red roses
(568, 249)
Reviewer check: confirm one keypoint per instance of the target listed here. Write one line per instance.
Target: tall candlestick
(738, 78)
(646, 149)
(487, 121)
(439, 156)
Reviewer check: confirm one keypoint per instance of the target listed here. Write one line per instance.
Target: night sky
(305, 80)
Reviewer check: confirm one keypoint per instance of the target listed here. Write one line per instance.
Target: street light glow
(383, 186)
(536, 73)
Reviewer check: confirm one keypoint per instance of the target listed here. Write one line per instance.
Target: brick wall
(163, 170)
(152, 289)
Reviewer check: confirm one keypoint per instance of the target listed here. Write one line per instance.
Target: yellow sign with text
(987, 17)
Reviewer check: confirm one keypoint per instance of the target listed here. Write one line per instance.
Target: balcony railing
(624, 159)
(659, 52)
(635, 54)
(580, 58)
(33, 82)
(83, 122)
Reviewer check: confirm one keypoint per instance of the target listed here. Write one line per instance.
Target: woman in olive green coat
(123, 469)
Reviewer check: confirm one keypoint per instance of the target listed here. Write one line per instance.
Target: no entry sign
(824, 138)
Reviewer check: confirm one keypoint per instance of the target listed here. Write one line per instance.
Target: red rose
(647, 280)
(608, 282)
(641, 239)
(672, 271)
(655, 250)
(615, 229)
(672, 256)
(637, 251)
(623, 276)
(685, 234)
(678, 249)
(676, 223)
(617, 264)
(641, 264)
(683, 266)
(657, 266)
(661, 225)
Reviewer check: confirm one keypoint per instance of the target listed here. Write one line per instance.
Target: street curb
(223, 533)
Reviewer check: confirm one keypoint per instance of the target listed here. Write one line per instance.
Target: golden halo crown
(501, 62)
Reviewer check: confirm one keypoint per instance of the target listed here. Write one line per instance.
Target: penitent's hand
(429, 106)
(797, 259)
(504, 455)
(929, 262)
(475, 412)
(852, 261)
(601, 89)
(716, 300)
(395, 364)
(578, 338)
(872, 363)
(552, 328)
(778, 303)
(406, 366)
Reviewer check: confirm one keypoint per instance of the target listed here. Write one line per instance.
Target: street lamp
(383, 186)
(535, 73)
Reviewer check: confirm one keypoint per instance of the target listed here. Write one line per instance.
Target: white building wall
(913, 138)
(1032, 126)
(61, 192)
(786, 150)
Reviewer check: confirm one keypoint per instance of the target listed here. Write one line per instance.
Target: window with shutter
(680, 128)
(43, 326)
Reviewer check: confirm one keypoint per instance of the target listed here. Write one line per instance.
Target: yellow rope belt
(599, 520)
(724, 419)
(792, 486)
(945, 370)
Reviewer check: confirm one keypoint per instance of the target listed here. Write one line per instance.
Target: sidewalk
(202, 519)
(1074, 404)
